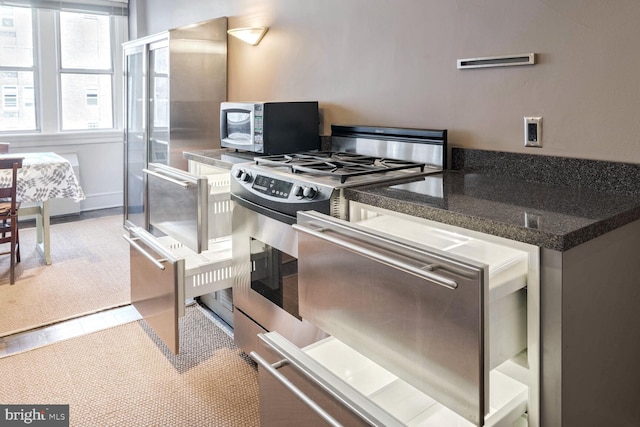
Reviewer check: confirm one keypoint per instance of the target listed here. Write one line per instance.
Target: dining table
(43, 176)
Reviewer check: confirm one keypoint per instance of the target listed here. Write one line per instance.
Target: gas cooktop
(337, 164)
(286, 183)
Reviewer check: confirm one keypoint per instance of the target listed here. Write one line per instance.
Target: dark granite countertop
(548, 216)
(220, 157)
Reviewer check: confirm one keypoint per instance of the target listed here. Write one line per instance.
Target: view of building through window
(85, 80)
(16, 70)
(83, 77)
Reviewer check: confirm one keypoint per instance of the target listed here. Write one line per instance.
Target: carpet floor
(124, 376)
(89, 272)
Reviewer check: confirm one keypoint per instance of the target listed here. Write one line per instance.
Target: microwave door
(178, 205)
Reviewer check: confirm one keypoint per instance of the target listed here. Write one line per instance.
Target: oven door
(265, 279)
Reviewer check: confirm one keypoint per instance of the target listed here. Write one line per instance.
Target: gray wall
(393, 63)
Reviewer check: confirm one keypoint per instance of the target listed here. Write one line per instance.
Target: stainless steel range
(269, 191)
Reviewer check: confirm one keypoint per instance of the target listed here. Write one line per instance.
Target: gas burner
(340, 165)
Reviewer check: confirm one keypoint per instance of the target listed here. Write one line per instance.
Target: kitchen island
(585, 218)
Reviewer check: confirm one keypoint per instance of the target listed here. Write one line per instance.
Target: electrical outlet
(533, 131)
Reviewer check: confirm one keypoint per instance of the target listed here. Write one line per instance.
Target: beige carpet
(89, 272)
(124, 377)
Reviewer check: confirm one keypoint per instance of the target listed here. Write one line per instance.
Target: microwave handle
(385, 259)
(273, 370)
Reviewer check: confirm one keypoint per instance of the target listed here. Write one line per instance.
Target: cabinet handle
(391, 261)
(157, 263)
(292, 388)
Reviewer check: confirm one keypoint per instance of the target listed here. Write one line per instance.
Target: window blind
(107, 7)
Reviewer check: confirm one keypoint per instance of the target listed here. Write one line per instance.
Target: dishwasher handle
(343, 393)
(272, 369)
(381, 257)
(156, 262)
(184, 184)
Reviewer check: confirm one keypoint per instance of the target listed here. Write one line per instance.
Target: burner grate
(340, 165)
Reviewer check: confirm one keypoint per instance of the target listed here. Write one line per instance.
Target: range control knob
(298, 191)
(246, 176)
(239, 173)
(309, 192)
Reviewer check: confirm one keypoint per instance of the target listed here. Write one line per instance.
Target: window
(86, 71)
(16, 69)
(81, 48)
(10, 97)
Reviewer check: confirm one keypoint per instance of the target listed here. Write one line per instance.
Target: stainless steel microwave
(270, 127)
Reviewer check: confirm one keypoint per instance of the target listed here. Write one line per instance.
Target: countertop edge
(547, 240)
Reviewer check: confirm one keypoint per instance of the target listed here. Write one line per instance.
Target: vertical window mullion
(47, 66)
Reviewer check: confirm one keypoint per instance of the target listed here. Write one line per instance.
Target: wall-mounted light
(249, 35)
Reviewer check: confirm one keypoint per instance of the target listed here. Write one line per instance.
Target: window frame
(47, 90)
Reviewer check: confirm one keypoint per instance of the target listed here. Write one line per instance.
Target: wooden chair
(9, 212)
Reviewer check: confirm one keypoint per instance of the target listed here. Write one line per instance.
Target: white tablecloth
(44, 176)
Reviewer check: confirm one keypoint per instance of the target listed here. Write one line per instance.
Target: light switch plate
(533, 131)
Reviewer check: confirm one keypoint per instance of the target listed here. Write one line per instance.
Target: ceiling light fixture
(249, 35)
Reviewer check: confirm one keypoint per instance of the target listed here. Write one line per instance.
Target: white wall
(393, 63)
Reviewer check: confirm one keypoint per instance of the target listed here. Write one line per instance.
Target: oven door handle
(383, 258)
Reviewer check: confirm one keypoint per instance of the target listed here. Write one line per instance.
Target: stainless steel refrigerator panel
(198, 80)
(174, 84)
(157, 286)
(414, 311)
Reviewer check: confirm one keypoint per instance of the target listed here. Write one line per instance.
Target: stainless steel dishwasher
(185, 252)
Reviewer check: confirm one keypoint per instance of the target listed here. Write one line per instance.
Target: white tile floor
(29, 340)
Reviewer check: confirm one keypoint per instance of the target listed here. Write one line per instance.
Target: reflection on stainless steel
(157, 293)
(258, 243)
(298, 373)
(178, 205)
(431, 186)
(429, 335)
(387, 148)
